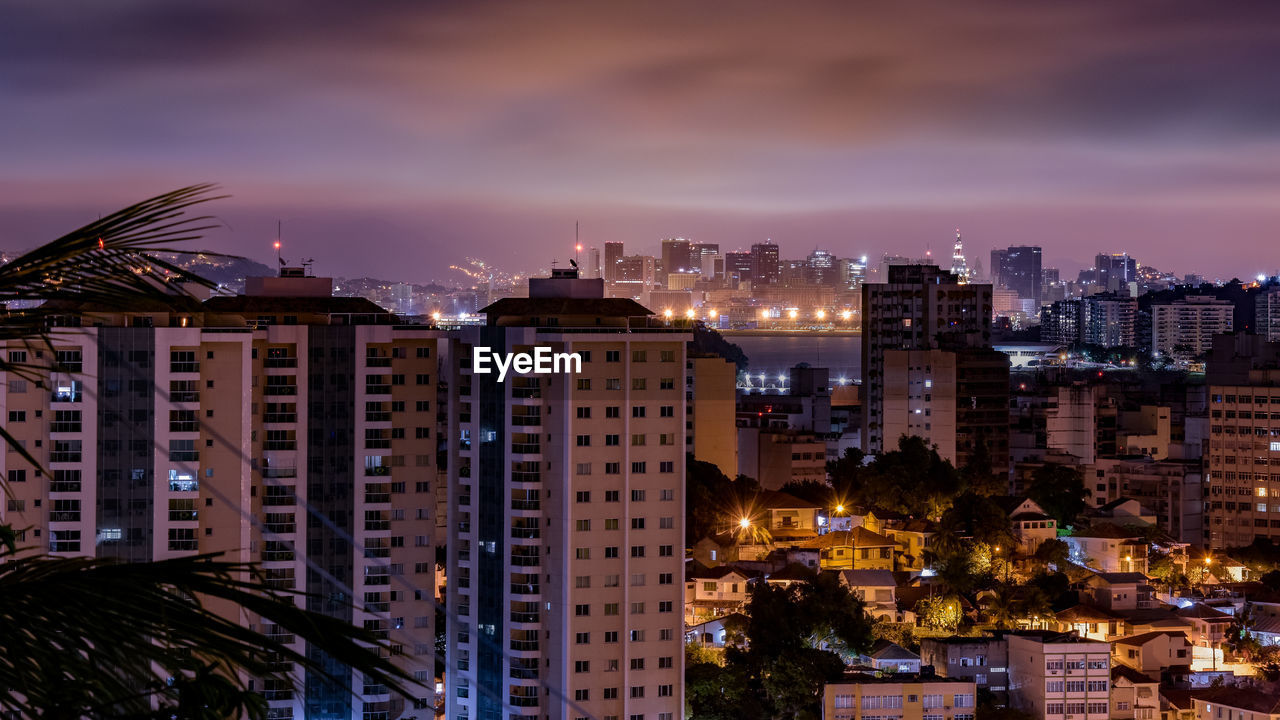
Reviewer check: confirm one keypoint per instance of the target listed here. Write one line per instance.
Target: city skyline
(1135, 128)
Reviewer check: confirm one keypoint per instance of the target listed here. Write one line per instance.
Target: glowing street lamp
(839, 509)
(435, 316)
(712, 314)
(744, 523)
(689, 313)
(667, 313)
(846, 315)
(793, 314)
(821, 314)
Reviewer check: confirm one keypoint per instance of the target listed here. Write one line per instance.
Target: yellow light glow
(712, 314)
(435, 316)
(689, 313)
(667, 313)
(839, 508)
(764, 314)
(822, 314)
(793, 314)
(744, 523)
(846, 314)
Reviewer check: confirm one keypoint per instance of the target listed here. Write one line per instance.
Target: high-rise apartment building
(919, 308)
(1108, 320)
(593, 263)
(1185, 328)
(283, 427)
(613, 252)
(1060, 322)
(959, 266)
(954, 399)
(765, 269)
(566, 514)
(1267, 314)
(1243, 491)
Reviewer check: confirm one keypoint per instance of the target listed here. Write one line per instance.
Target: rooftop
(1241, 699)
(1145, 638)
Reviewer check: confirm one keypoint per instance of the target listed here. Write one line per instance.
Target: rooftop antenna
(306, 265)
(577, 244)
(279, 233)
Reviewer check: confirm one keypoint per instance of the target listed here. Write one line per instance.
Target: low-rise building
(1031, 526)
(1237, 704)
(856, 549)
(712, 592)
(1134, 695)
(909, 697)
(1108, 548)
(1208, 625)
(1121, 591)
(1055, 675)
(889, 657)
(984, 660)
(876, 589)
(1154, 651)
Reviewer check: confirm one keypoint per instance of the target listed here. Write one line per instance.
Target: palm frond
(95, 637)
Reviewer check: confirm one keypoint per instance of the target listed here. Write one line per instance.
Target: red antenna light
(101, 245)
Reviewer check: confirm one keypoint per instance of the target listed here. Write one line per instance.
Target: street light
(822, 314)
(846, 315)
(744, 523)
(793, 314)
(712, 314)
(689, 313)
(667, 313)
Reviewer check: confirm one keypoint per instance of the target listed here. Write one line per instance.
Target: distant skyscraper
(1018, 270)
(1185, 328)
(613, 253)
(764, 264)
(593, 262)
(1115, 271)
(854, 272)
(1108, 320)
(675, 258)
(821, 268)
(959, 267)
(737, 264)
(698, 254)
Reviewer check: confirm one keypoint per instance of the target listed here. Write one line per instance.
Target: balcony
(525, 646)
(65, 516)
(526, 617)
(377, 417)
(526, 420)
(280, 417)
(69, 456)
(181, 456)
(526, 505)
(280, 390)
(377, 389)
(184, 396)
(280, 528)
(526, 533)
(65, 427)
(279, 445)
(526, 588)
(527, 448)
(280, 362)
(377, 607)
(65, 486)
(182, 515)
(379, 362)
(279, 472)
(377, 470)
(184, 426)
(528, 477)
(184, 367)
(377, 525)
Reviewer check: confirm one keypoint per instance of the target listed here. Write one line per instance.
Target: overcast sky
(393, 138)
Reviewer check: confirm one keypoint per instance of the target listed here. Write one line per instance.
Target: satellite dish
(573, 262)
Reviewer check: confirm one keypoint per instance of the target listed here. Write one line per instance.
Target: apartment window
(611, 636)
(637, 691)
(584, 383)
(667, 523)
(585, 553)
(665, 663)
(612, 468)
(582, 582)
(581, 666)
(422, 379)
(611, 552)
(637, 411)
(637, 523)
(665, 579)
(611, 693)
(665, 690)
(612, 440)
(668, 494)
(665, 550)
(584, 469)
(637, 440)
(585, 441)
(182, 539)
(638, 384)
(612, 412)
(584, 413)
(666, 466)
(667, 411)
(17, 416)
(666, 383)
(637, 551)
(611, 495)
(583, 496)
(637, 663)
(613, 384)
(612, 356)
(17, 476)
(638, 468)
(582, 639)
(636, 495)
(611, 608)
(664, 606)
(584, 525)
(582, 610)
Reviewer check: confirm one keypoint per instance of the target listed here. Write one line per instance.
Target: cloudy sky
(393, 138)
